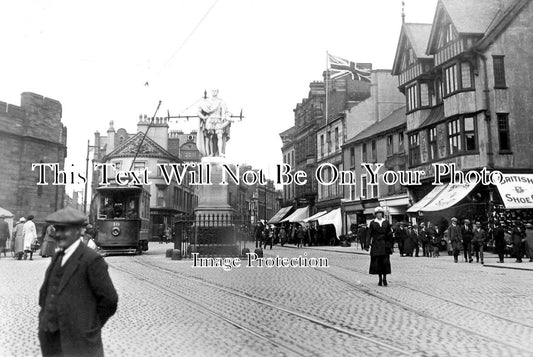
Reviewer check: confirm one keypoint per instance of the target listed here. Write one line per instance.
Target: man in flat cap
(77, 296)
(456, 238)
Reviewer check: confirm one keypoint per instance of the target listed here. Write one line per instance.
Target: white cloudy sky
(95, 56)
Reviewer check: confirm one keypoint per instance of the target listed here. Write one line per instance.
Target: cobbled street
(432, 307)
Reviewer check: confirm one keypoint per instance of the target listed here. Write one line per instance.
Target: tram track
(396, 302)
(317, 321)
(503, 318)
(279, 347)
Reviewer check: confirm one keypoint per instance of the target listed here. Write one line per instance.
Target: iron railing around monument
(214, 234)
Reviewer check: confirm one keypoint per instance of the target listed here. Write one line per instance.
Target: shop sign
(516, 191)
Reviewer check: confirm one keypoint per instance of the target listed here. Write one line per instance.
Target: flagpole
(326, 81)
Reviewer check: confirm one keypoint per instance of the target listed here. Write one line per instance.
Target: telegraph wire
(147, 83)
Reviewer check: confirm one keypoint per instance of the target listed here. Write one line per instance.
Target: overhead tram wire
(183, 43)
(144, 136)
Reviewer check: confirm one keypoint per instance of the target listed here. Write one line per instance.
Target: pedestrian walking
(49, 243)
(431, 237)
(467, 234)
(361, 235)
(478, 241)
(529, 241)
(300, 236)
(87, 237)
(18, 238)
(380, 239)
(410, 241)
(400, 235)
(268, 237)
(168, 234)
(282, 236)
(437, 237)
(30, 235)
(456, 238)
(518, 237)
(77, 296)
(4, 235)
(161, 233)
(498, 235)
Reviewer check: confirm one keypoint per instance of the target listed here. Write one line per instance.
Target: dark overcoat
(86, 299)
(480, 237)
(380, 238)
(467, 233)
(456, 237)
(410, 243)
(499, 239)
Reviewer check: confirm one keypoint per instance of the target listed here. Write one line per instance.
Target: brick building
(467, 78)
(331, 137)
(31, 133)
(300, 141)
(382, 142)
(120, 147)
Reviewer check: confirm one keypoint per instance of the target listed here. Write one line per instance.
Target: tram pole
(86, 176)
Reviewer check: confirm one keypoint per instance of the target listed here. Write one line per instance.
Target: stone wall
(30, 133)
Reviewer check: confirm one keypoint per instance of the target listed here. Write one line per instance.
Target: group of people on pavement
(427, 239)
(25, 240)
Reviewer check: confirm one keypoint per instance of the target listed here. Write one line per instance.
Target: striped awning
(298, 216)
(282, 213)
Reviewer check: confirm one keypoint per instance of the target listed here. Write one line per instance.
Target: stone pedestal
(215, 231)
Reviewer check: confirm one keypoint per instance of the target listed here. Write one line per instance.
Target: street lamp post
(86, 176)
(253, 216)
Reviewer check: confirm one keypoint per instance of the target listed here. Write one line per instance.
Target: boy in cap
(77, 296)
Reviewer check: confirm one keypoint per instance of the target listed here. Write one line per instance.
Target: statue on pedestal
(215, 123)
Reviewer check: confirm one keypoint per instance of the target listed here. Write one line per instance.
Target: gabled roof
(149, 148)
(500, 23)
(417, 35)
(393, 120)
(467, 16)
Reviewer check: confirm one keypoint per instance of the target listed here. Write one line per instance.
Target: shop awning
(426, 199)
(298, 216)
(448, 197)
(282, 213)
(334, 217)
(516, 191)
(315, 216)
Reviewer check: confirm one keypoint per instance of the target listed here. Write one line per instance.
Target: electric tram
(121, 217)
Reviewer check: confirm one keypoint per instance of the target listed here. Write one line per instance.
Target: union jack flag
(340, 66)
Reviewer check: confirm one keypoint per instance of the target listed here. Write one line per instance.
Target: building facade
(300, 141)
(467, 83)
(166, 200)
(31, 133)
(381, 143)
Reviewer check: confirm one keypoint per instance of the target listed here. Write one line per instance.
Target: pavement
(432, 307)
(490, 258)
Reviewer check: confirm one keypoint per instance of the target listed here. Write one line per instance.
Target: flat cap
(67, 216)
(454, 219)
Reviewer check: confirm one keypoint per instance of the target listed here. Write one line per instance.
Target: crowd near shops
(24, 241)
(468, 239)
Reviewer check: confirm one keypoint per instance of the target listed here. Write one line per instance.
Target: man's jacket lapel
(71, 266)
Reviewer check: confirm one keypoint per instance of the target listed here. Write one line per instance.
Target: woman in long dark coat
(379, 237)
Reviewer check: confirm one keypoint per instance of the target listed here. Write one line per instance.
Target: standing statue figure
(215, 123)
